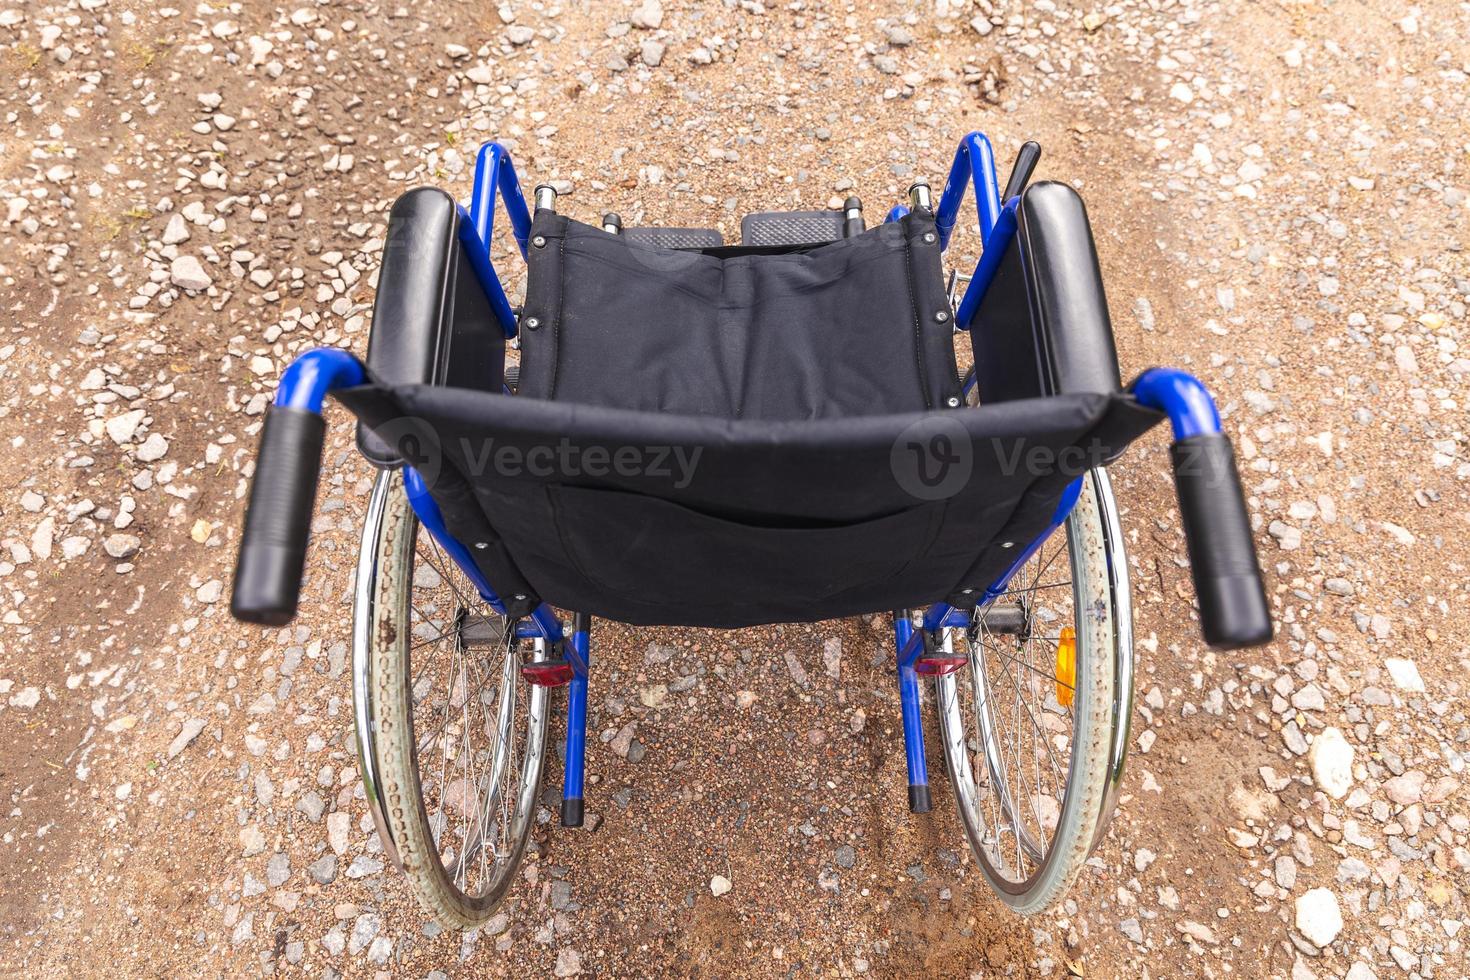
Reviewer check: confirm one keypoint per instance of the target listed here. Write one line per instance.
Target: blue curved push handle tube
(283, 492)
(1222, 551)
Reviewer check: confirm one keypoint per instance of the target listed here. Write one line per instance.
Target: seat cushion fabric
(855, 327)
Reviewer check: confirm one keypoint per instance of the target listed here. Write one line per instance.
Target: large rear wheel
(450, 737)
(1035, 726)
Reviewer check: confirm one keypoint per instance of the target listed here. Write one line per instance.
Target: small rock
(338, 825)
(187, 734)
(187, 273)
(154, 448)
(363, 866)
(622, 742)
(278, 870)
(652, 52)
(122, 545)
(177, 231)
(364, 929)
(1309, 698)
(1197, 931)
(1407, 789)
(121, 428)
(251, 840)
(1331, 758)
(568, 963)
(1288, 537)
(323, 870)
(648, 16)
(719, 885)
(1284, 871)
(1318, 917)
(1405, 674)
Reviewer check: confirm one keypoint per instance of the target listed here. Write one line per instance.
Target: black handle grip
(1021, 171)
(278, 517)
(1222, 551)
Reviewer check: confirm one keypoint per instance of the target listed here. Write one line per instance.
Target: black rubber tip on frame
(919, 801)
(571, 812)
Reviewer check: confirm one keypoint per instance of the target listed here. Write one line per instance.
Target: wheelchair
(714, 435)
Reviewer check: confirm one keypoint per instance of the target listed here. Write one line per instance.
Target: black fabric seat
(667, 519)
(854, 327)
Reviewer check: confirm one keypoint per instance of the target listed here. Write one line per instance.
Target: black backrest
(1043, 326)
(431, 321)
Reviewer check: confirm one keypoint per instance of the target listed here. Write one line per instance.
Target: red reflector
(938, 666)
(549, 673)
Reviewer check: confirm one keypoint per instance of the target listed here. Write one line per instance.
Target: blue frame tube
(899, 211)
(495, 171)
(974, 163)
(478, 252)
(994, 251)
(575, 761)
(1064, 509)
(913, 721)
(307, 380)
(1182, 397)
(495, 176)
(429, 516)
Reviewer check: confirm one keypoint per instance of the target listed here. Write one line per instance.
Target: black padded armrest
(432, 323)
(1043, 326)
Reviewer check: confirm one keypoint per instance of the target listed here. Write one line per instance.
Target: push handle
(278, 516)
(1222, 550)
(1025, 165)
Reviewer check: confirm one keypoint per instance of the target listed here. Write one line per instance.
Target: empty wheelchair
(717, 435)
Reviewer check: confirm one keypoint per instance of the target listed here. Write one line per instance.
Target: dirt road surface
(191, 194)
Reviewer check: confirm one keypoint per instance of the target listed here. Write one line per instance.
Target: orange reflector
(1066, 666)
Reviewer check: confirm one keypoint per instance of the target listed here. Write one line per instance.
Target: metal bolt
(532, 323)
(519, 598)
(482, 545)
(1007, 544)
(942, 316)
(952, 402)
(539, 241)
(929, 238)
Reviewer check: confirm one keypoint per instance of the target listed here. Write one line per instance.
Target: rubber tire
(407, 819)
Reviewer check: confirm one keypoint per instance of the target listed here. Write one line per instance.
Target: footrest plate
(675, 237)
(791, 228)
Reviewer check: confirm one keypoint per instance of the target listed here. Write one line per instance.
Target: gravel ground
(188, 196)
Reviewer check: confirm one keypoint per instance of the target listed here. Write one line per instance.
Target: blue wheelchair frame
(311, 376)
